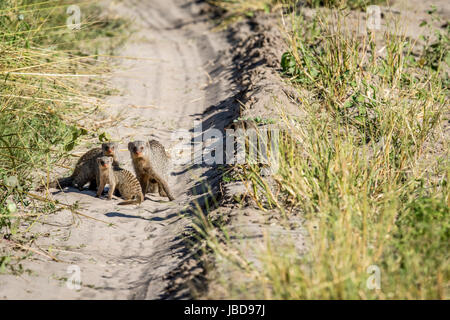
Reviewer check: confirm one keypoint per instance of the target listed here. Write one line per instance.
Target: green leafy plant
(42, 99)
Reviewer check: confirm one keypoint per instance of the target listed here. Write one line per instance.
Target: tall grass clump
(366, 166)
(352, 4)
(237, 9)
(49, 83)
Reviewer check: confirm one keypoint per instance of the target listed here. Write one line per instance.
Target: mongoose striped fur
(151, 164)
(86, 169)
(127, 184)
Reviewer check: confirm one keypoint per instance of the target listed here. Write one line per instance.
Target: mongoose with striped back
(127, 184)
(151, 164)
(86, 169)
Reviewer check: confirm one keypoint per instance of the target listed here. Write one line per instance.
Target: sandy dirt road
(176, 80)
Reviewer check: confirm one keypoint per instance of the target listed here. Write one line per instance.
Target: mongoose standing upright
(86, 168)
(151, 169)
(127, 184)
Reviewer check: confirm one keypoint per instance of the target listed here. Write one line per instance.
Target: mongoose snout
(105, 165)
(108, 148)
(105, 161)
(137, 149)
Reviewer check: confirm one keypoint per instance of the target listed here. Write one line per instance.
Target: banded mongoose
(86, 169)
(127, 184)
(151, 164)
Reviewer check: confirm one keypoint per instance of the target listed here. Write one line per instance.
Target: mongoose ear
(130, 146)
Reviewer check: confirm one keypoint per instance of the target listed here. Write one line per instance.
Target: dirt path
(176, 81)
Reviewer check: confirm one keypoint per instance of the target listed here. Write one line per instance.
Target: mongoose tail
(59, 183)
(123, 203)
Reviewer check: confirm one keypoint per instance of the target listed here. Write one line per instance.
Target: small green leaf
(348, 104)
(104, 136)
(250, 14)
(69, 146)
(3, 263)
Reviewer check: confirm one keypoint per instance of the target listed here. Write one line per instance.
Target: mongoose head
(104, 162)
(137, 149)
(109, 148)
